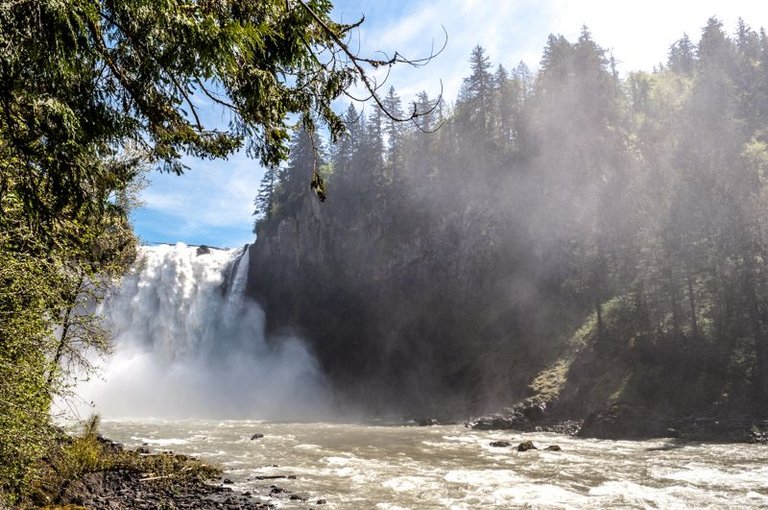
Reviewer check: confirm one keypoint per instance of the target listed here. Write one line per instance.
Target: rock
(533, 411)
(142, 449)
(427, 422)
(494, 422)
(525, 446)
(256, 436)
(623, 421)
(227, 481)
(202, 250)
(553, 448)
(321, 502)
(296, 497)
(501, 444)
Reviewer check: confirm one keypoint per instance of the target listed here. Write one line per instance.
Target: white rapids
(408, 467)
(189, 344)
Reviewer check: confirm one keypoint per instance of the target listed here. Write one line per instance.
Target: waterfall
(189, 343)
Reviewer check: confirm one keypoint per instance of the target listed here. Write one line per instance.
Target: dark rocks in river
(494, 422)
(553, 448)
(525, 446)
(427, 422)
(524, 415)
(256, 436)
(227, 481)
(321, 502)
(500, 444)
(202, 250)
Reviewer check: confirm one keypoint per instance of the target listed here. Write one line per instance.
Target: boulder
(525, 446)
(501, 444)
(202, 250)
(256, 436)
(494, 422)
(553, 448)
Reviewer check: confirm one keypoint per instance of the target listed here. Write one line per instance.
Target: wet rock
(256, 436)
(296, 497)
(493, 422)
(501, 444)
(525, 446)
(622, 421)
(427, 422)
(524, 415)
(321, 502)
(227, 481)
(202, 250)
(553, 448)
(142, 449)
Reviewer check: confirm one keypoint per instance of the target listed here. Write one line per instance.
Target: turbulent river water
(188, 343)
(392, 467)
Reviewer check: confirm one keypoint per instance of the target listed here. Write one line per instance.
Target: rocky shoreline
(621, 421)
(122, 489)
(185, 483)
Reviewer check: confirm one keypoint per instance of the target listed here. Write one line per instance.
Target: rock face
(622, 421)
(389, 299)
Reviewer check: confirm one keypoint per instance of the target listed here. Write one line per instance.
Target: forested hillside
(570, 231)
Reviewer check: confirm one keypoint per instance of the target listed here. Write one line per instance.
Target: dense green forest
(571, 232)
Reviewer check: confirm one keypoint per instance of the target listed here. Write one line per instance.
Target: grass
(74, 457)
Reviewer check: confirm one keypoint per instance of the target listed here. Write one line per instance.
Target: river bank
(139, 478)
(387, 466)
(626, 422)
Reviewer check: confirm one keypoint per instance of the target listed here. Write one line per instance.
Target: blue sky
(213, 202)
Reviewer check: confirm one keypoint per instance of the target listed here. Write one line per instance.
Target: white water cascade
(188, 343)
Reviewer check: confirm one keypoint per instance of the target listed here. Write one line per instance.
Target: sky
(212, 203)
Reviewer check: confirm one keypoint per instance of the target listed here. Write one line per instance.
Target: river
(387, 467)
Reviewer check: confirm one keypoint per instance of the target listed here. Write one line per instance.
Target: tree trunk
(65, 326)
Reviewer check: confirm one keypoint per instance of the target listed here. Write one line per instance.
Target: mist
(568, 233)
(189, 344)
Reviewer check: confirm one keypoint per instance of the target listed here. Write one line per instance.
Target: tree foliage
(625, 215)
(93, 93)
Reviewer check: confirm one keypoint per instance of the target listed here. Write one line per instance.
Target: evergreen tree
(475, 97)
(682, 56)
(393, 131)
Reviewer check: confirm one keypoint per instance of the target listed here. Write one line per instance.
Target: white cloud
(210, 195)
(638, 33)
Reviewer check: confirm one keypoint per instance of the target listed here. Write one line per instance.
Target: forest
(572, 234)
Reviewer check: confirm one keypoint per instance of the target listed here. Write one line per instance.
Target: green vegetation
(575, 227)
(92, 94)
(80, 454)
